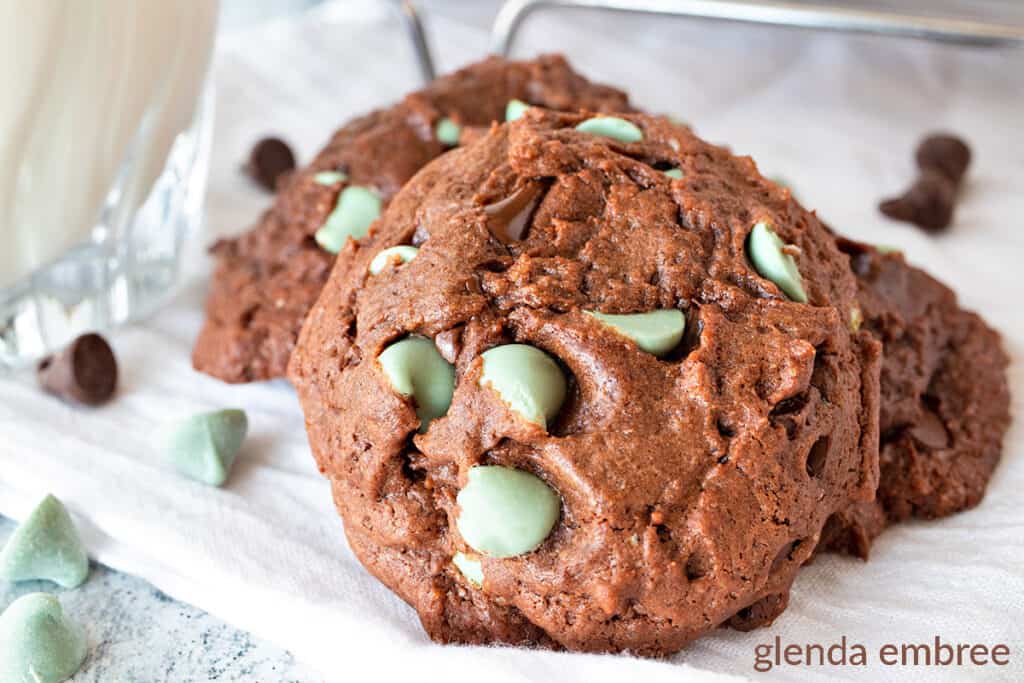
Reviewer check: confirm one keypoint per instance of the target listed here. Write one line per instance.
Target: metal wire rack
(842, 18)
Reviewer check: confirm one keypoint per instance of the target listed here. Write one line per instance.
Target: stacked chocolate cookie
(589, 381)
(268, 278)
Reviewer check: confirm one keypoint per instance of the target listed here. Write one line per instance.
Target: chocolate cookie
(266, 280)
(591, 404)
(945, 399)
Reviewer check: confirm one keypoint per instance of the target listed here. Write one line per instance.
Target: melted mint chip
(612, 127)
(357, 208)
(515, 109)
(528, 380)
(656, 332)
(329, 178)
(768, 253)
(448, 132)
(504, 512)
(470, 567)
(400, 254)
(416, 369)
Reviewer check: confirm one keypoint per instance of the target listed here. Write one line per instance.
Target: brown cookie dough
(944, 398)
(267, 279)
(693, 486)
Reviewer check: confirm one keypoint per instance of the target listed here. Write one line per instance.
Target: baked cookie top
(267, 278)
(590, 380)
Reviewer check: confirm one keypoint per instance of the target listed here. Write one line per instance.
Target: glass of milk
(105, 123)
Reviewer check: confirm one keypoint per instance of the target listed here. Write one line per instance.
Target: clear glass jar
(105, 137)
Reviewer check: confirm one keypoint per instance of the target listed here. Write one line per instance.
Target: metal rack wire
(413, 26)
(514, 13)
(771, 12)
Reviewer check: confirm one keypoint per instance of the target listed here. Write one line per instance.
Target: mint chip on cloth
(203, 447)
(38, 643)
(45, 545)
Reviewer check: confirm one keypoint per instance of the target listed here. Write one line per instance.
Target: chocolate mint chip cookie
(268, 278)
(945, 399)
(590, 404)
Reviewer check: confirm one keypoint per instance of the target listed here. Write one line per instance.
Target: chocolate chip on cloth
(929, 203)
(269, 161)
(267, 279)
(83, 372)
(945, 398)
(947, 154)
(591, 470)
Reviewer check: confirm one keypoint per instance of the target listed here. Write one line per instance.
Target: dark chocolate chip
(928, 203)
(509, 219)
(898, 209)
(929, 430)
(947, 154)
(269, 160)
(862, 255)
(84, 372)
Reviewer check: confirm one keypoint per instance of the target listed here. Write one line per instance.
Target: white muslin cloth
(836, 116)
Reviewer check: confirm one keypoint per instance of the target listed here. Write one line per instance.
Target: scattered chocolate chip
(947, 154)
(928, 203)
(84, 372)
(269, 160)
